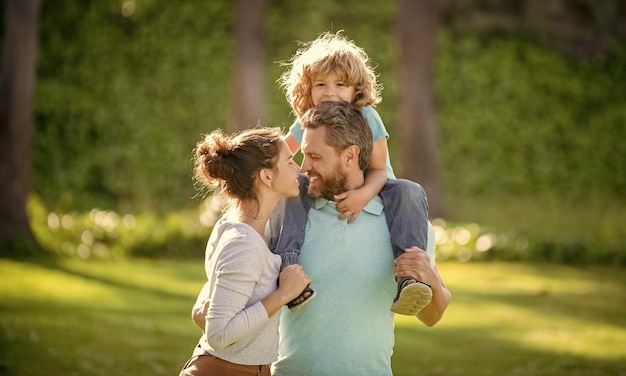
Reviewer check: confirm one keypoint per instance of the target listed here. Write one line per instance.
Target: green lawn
(71, 317)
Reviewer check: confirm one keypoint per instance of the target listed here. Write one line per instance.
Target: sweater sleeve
(231, 315)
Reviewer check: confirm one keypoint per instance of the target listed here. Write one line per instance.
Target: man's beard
(330, 186)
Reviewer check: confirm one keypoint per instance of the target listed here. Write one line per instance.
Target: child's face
(331, 88)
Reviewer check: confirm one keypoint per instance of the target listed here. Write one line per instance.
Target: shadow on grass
(138, 328)
(110, 326)
(53, 262)
(588, 306)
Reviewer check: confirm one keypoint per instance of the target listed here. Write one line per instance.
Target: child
(332, 68)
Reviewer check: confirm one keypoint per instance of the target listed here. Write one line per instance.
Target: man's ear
(351, 155)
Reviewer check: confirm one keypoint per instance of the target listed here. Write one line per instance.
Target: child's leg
(287, 226)
(406, 211)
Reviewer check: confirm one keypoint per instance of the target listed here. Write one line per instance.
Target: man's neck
(356, 179)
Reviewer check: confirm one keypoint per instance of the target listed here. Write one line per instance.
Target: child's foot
(307, 295)
(412, 297)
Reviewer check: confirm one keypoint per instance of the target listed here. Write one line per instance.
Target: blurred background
(511, 114)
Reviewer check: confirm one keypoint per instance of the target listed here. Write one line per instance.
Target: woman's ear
(265, 176)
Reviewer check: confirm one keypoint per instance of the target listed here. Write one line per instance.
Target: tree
(248, 95)
(417, 25)
(16, 116)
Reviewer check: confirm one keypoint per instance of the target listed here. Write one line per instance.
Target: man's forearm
(433, 312)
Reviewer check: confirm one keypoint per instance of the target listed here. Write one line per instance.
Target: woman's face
(285, 182)
(331, 88)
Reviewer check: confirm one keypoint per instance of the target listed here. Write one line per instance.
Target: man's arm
(415, 263)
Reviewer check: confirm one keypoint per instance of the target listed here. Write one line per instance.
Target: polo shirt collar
(374, 206)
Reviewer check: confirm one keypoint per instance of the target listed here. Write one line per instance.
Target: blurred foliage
(521, 120)
(126, 88)
(106, 234)
(121, 100)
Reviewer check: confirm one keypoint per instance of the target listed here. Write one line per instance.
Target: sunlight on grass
(71, 312)
(50, 284)
(505, 319)
(598, 343)
(553, 309)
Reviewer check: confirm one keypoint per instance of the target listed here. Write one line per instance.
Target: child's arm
(351, 203)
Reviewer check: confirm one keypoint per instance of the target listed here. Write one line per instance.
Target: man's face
(322, 164)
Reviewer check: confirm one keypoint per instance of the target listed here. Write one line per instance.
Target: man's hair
(345, 126)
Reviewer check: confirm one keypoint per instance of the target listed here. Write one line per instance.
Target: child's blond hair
(329, 53)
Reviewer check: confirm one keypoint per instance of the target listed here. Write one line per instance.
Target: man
(348, 329)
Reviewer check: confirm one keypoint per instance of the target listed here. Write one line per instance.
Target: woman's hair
(329, 53)
(230, 163)
(345, 126)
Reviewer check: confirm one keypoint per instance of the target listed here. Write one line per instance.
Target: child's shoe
(297, 304)
(412, 297)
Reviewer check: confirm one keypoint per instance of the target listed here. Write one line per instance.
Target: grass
(73, 317)
(519, 319)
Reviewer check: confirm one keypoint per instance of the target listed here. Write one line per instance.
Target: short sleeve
(296, 131)
(375, 123)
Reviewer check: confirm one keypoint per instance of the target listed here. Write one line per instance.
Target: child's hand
(350, 203)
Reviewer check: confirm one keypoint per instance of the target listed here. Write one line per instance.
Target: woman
(255, 170)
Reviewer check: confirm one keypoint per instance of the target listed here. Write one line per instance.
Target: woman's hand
(291, 282)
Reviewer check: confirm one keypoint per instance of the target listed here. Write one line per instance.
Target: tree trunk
(417, 25)
(248, 95)
(16, 107)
